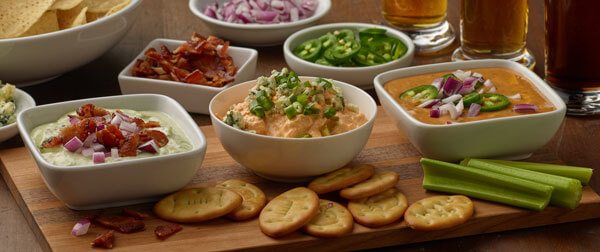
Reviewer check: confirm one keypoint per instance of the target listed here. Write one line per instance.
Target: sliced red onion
(150, 147)
(474, 110)
(466, 89)
(116, 120)
(294, 14)
(475, 74)
(428, 103)
(262, 11)
(74, 144)
(124, 117)
(451, 109)
(265, 16)
(89, 140)
(452, 86)
(74, 120)
(129, 127)
(462, 75)
(516, 96)
(452, 98)
(492, 90)
(488, 83)
(98, 157)
(87, 152)
(437, 83)
(98, 147)
(114, 152)
(435, 113)
(460, 106)
(100, 127)
(81, 227)
(525, 108)
(470, 81)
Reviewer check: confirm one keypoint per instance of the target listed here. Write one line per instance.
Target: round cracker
(341, 178)
(380, 209)
(379, 182)
(254, 199)
(439, 212)
(197, 204)
(332, 220)
(288, 212)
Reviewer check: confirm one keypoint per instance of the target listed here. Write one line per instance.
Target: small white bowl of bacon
(113, 151)
(191, 72)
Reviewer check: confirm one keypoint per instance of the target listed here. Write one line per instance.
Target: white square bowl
(514, 137)
(122, 182)
(194, 98)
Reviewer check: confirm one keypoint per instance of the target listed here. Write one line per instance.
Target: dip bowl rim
(541, 86)
(35, 152)
(251, 83)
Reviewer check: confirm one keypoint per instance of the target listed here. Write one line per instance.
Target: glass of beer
(494, 29)
(424, 21)
(572, 53)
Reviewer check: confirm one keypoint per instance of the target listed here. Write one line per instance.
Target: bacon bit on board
(162, 232)
(135, 214)
(104, 240)
(196, 62)
(122, 224)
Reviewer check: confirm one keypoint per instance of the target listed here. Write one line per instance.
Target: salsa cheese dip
(96, 135)
(495, 93)
(282, 105)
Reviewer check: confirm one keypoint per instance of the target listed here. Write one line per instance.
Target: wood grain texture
(576, 143)
(387, 149)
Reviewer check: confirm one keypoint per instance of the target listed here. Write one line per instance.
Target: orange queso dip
(505, 81)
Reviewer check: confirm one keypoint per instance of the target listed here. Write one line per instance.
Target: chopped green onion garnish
(304, 135)
(302, 99)
(290, 112)
(265, 102)
(330, 112)
(292, 80)
(298, 107)
(325, 131)
(257, 109)
(293, 98)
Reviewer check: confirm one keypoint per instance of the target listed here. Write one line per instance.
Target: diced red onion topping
(525, 108)
(74, 120)
(474, 110)
(98, 157)
(116, 120)
(435, 113)
(81, 227)
(452, 98)
(492, 90)
(114, 152)
(129, 127)
(516, 96)
(150, 147)
(89, 140)
(462, 75)
(475, 74)
(437, 83)
(98, 147)
(87, 152)
(460, 106)
(100, 127)
(488, 83)
(452, 86)
(74, 144)
(262, 11)
(451, 109)
(428, 103)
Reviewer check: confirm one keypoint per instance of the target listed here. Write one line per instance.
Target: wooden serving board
(388, 148)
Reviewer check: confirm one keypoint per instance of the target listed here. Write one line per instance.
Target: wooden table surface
(575, 142)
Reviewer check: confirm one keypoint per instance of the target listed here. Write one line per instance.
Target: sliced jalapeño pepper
(493, 102)
(471, 98)
(420, 93)
(383, 47)
(323, 61)
(345, 51)
(344, 34)
(372, 31)
(399, 50)
(327, 40)
(364, 57)
(309, 50)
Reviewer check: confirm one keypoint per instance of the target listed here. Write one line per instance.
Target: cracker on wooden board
(288, 212)
(379, 182)
(341, 178)
(380, 209)
(254, 199)
(332, 220)
(197, 204)
(439, 212)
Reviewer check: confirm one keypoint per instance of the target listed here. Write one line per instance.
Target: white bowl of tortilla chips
(42, 39)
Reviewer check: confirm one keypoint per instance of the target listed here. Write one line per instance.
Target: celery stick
(478, 183)
(567, 191)
(580, 173)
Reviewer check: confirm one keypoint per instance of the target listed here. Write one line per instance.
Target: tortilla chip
(17, 16)
(101, 6)
(71, 18)
(91, 17)
(65, 4)
(47, 23)
(118, 7)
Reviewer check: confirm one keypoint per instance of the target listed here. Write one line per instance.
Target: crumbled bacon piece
(135, 214)
(198, 61)
(162, 232)
(104, 240)
(89, 110)
(80, 130)
(160, 138)
(122, 224)
(151, 124)
(110, 136)
(128, 147)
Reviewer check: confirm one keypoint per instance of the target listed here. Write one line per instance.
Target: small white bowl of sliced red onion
(258, 22)
(113, 178)
(510, 137)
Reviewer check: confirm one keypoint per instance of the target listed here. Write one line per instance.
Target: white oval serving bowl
(23, 101)
(291, 159)
(123, 182)
(35, 59)
(194, 98)
(255, 34)
(359, 76)
(514, 137)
